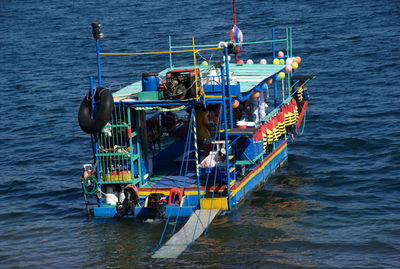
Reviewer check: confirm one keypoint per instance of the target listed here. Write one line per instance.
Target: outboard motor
(127, 207)
(156, 204)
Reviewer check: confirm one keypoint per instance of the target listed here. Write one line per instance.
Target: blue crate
(217, 89)
(248, 148)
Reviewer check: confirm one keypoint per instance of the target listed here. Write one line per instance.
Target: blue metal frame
(228, 81)
(228, 176)
(170, 49)
(100, 81)
(275, 77)
(93, 138)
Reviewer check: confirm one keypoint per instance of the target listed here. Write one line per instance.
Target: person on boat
(256, 106)
(263, 103)
(168, 122)
(213, 112)
(252, 109)
(202, 124)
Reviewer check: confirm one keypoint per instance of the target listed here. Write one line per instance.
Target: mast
(234, 11)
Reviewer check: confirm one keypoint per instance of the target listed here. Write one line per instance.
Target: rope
(304, 123)
(259, 42)
(217, 134)
(197, 46)
(101, 89)
(158, 52)
(275, 110)
(160, 108)
(239, 44)
(89, 181)
(202, 57)
(219, 125)
(187, 147)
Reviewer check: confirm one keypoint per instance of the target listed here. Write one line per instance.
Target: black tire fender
(103, 111)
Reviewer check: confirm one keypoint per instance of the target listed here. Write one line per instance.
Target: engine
(179, 84)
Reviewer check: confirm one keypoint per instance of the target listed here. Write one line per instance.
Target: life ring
(175, 196)
(102, 113)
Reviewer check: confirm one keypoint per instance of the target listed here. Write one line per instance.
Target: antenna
(234, 11)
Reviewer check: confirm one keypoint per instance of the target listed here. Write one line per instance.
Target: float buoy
(102, 113)
(235, 104)
(175, 196)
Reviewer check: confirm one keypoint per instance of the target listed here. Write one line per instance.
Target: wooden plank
(192, 230)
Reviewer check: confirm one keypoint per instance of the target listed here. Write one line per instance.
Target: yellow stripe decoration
(258, 170)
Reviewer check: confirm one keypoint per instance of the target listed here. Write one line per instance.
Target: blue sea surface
(335, 204)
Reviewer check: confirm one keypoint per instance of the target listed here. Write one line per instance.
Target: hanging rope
(217, 136)
(186, 150)
(187, 153)
(160, 108)
(187, 147)
(304, 123)
(90, 185)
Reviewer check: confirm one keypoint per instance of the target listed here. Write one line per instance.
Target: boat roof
(249, 76)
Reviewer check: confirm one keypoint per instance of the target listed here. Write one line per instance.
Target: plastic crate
(217, 89)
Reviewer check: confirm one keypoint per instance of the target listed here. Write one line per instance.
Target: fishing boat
(189, 142)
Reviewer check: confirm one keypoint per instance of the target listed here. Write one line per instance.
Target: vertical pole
(291, 41)
(228, 176)
(94, 140)
(195, 69)
(288, 53)
(228, 86)
(196, 151)
(97, 35)
(287, 41)
(291, 55)
(100, 81)
(170, 49)
(273, 57)
(275, 91)
(92, 137)
(132, 155)
(273, 43)
(139, 123)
